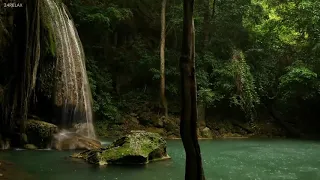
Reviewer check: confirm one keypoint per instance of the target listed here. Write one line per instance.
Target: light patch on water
(19, 149)
(105, 143)
(308, 169)
(283, 175)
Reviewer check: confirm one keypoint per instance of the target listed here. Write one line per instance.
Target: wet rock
(206, 133)
(40, 133)
(172, 127)
(144, 119)
(66, 140)
(4, 144)
(30, 146)
(24, 138)
(138, 147)
(157, 122)
(160, 131)
(132, 120)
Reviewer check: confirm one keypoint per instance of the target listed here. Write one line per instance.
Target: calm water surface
(223, 160)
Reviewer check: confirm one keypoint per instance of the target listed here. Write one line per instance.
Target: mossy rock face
(138, 147)
(40, 133)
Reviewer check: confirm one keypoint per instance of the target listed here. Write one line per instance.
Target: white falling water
(72, 92)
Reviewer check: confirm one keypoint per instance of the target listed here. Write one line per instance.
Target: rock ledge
(138, 147)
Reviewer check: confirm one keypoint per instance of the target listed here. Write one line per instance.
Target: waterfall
(72, 93)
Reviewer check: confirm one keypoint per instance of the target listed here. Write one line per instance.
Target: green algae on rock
(138, 147)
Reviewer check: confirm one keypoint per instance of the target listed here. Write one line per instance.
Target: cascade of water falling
(72, 92)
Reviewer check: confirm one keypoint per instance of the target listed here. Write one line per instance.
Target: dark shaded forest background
(256, 60)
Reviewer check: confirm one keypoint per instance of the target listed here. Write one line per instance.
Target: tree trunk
(188, 122)
(212, 19)
(162, 58)
(206, 23)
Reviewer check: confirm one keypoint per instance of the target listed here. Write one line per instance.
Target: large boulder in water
(66, 140)
(138, 147)
(40, 133)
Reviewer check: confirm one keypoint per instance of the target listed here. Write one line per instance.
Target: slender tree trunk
(212, 19)
(206, 23)
(206, 35)
(162, 58)
(188, 122)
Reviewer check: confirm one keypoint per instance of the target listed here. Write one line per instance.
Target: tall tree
(162, 58)
(188, 122)
(206, 22)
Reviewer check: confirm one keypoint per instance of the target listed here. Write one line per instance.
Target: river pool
(231, 159)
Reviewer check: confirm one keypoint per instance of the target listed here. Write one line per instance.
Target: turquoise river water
(232, 159)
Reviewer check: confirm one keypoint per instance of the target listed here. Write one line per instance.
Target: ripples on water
(223, 160)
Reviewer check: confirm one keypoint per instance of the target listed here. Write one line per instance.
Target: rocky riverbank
(169, 127)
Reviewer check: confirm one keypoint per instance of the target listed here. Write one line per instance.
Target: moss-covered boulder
(138, 147)
(40, 133)
(206, 133)
(30, 147)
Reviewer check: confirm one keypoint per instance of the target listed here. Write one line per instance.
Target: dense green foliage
(250, 55)
(255, 59)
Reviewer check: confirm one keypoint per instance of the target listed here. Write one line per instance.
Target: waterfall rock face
(72, 94)
(66, 140)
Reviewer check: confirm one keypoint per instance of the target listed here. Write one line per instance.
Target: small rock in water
(30, 146)
(1, 175)
(206, 132)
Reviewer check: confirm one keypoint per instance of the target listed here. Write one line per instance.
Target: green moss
(49, 40)
(49, 32)
(135, 148)
(51, 45)
(44, 129)
(40, 133)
